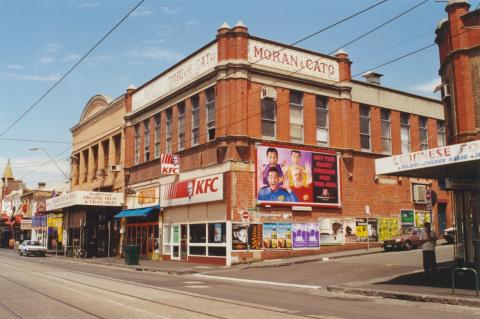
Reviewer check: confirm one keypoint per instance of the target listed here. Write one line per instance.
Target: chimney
(372, 77)
(42, 185)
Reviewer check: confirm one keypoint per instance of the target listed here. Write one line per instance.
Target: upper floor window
(117, 143)
(423, 130)
(106, 153)
(365, 127)
(169, 128)
(181, 126)
(195, 120)
(405, 132)
(156, 120)
(321, 104)
(296, 116)
(386, 131)
(441, 134)
(269, 113)
(136, 159)
(146, 146)
(210, 104)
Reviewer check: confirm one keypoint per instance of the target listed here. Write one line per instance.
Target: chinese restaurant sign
(297, 177)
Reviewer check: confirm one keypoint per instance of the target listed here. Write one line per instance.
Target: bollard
(466, 269)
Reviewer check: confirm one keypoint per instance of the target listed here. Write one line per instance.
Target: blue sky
(42, 39)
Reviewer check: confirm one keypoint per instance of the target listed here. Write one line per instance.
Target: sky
(42, 39)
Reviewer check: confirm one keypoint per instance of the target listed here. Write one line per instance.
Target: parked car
(410, 239)
(31, 247)
(449, 235)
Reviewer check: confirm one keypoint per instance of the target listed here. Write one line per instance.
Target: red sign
(202, 189)
(170, 164)
(245, 215)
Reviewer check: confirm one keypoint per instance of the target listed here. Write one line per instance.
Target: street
(57, 288)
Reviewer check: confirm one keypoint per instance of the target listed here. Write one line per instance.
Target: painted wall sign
(185, 73)
(291, 60)
(197, 190)
(86, 199)
(439, 156)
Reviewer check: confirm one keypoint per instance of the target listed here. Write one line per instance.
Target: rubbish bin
(131, 254)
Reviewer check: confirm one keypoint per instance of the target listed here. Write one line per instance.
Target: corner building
(223, 109)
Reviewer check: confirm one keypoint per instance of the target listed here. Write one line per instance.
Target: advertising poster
(407, 217)
(422, 217)
(299, 236)
(270, 235)
(331, 231)
(297, 177)
(388, 228)
(313, 236)
(373, 229)
(284, 235)
(255, 236)
(350, 230)
(361, 229)
(240, 236)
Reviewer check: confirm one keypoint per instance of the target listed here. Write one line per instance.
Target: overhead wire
(29, 109)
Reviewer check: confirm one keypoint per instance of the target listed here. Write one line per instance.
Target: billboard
(297, 177)
(196, 190)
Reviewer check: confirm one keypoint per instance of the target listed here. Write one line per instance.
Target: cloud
(85, 4)
(156, 54)
(426, 87)
(46, 60)
(30, 77)
(154, 41)
(142, 12)
(171, 10)
(191, 24)
(52, 47)
(71, 57)
(15, 67)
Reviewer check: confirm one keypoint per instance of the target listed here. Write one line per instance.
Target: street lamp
(51, 159)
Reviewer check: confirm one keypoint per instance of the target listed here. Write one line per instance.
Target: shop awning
(137, 212)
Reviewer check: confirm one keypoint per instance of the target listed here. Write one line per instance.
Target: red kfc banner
(170, 164)
(197, 190)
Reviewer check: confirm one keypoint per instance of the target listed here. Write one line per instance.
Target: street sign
(245, 215)
(367, 210)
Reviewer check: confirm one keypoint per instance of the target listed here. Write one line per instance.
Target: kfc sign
(197, 190)
(170, 164)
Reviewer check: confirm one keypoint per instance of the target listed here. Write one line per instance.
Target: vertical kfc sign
(197, 190)
(170, 164)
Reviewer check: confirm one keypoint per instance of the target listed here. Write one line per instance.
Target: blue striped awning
(137, 212)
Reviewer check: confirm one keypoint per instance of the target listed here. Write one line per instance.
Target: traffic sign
(245, 215)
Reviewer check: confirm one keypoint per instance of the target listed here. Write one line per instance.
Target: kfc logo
(203, 189)
(170, 164)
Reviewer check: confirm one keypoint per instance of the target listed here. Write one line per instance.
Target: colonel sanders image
(190, 190)
(176, 160)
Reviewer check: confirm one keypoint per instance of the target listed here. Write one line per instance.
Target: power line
(32, 140)
(378, 27)
(70, 70)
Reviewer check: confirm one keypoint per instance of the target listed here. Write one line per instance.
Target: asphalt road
(52, 288)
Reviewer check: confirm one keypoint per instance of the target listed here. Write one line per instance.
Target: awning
(137, 212)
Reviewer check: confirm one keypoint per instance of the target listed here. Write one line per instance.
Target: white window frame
(195, 124)
(273, 103)
(296, 122)
(386, 122)
(146, 145)
(321, 105)
(210, 112)
(157, 121)
(405, 138)
(369, 133)
(181, 126)
(441, 136)
(169, 130)
(423, 130)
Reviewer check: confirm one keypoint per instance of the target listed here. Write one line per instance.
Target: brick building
(457, 165)
(225, 106)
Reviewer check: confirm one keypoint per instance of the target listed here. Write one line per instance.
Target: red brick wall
(254, 110)
(309, 119)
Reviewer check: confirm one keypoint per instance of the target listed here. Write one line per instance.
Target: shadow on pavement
(443, 278)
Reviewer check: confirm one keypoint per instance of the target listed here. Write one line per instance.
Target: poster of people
(364, 229)
(388, 228)
(350, 230)
(247, 236)
(331, 231)
(297, 177)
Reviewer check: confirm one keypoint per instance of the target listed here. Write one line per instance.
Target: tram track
(167, 290)
(3, 306)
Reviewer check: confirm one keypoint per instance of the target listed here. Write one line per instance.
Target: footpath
(413, 286)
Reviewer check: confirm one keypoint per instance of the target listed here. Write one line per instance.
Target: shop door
(175, 254)
(183, 242)
(442, 217)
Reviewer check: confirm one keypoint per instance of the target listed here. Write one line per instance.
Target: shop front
(194, 225)
(87, 221)
(457, 168)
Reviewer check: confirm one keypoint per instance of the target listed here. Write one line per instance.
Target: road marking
(198, 286)
(262, 282)
(193, 282)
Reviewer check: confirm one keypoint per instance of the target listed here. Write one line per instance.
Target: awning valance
(137, 212)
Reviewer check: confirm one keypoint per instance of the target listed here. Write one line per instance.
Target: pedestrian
(429, 259)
